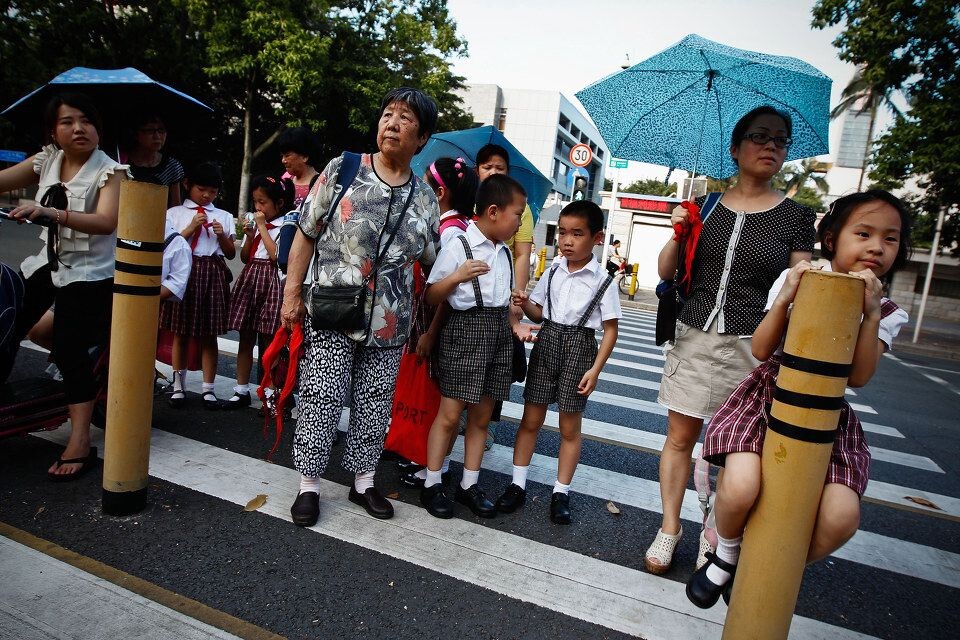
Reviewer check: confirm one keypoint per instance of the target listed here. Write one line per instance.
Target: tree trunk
(247, 154)
(866, 151)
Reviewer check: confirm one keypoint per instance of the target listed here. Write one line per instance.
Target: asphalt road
(515, 576)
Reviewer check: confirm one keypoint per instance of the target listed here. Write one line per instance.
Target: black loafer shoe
(374, 503)
(560, 508)
(410, 478)
(210, 401)
(177, 403)
(477, 501)
(306, 509)
(237, 401)
(701, 591)
(512, 499)
(436, 501)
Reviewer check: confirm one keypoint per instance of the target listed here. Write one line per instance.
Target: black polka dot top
(739, 256)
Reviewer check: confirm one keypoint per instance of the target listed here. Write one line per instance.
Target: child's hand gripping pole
(802, 426)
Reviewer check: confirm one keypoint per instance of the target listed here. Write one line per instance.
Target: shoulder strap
(709, 204)
(476, 280)
(349, 167)
(596, 301)
(169, 239)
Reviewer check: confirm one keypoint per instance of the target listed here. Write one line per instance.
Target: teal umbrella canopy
(678, 108)
(467, 142)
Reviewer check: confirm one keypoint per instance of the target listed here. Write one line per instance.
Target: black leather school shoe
(512, 499)
(237, 401)
(560, 508)
(306, 509)
(477, 501)
(410, 478)
(373, 502)
(701, 591)
(436, 501)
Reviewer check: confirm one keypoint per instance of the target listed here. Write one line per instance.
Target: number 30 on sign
(580, 155)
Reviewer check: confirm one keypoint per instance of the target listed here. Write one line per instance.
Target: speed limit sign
(580, 155)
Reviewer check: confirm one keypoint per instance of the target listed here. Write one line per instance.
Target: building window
(600, 153)
(564, 122)
(559, 148)
(556, 168)
(502, 119)
(574, 131)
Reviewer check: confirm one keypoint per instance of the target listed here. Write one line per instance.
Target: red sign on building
(644, 204)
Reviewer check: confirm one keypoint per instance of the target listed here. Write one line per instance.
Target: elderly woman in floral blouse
(384, 193)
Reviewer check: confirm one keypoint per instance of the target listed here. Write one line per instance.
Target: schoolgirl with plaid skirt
(255, 303)
(474, 273)
(864, 234)
(573, 301)
(203, 312)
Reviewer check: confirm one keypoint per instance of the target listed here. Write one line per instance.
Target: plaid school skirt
(255, 303)
(741, 423)
(206, 301)
(560, 357)
(476, 355)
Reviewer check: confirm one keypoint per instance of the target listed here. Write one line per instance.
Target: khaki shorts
(702, 369)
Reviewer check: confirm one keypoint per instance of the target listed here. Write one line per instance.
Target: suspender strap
(596, 301)
(553, 270)
(476, 280)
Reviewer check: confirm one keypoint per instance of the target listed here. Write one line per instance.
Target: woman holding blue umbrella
(749, 238)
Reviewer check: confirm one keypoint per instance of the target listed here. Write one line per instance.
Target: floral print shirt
(360, 227)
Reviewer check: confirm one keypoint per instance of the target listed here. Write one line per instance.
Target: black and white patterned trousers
(331, 365)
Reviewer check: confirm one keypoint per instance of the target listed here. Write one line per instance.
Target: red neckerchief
(204, 227)
(293, 342)
(690, 236)
(255, 243)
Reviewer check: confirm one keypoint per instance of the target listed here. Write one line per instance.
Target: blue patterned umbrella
(678, 108)
(467, 142)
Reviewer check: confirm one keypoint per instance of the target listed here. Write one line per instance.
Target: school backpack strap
(349, 167)
(169, 239)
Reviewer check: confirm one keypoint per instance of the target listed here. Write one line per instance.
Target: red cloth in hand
(285, 349)
(690, 236)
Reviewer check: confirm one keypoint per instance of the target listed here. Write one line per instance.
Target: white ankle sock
(559, 487)
(179, 380)
(242, 389)
(433, 477)
(520, 476)
(422, 474)
(469, 478)
(446, 465)
(208, 387)
(728, 550)
(363, 481)
(310, 484)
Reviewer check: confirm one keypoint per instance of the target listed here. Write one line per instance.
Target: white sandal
(659, 555)
(705, 547)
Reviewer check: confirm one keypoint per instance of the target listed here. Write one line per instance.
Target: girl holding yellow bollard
(864, 234)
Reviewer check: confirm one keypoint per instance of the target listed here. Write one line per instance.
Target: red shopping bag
(165, 350)
(415, 405)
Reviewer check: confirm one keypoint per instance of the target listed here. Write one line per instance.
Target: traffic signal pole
(606, 227)
(802, 426)
(133, 346)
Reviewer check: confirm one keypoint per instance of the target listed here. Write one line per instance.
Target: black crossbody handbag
(343, 308)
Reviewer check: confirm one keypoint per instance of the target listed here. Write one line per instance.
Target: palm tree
(797, 175)
(859, 96)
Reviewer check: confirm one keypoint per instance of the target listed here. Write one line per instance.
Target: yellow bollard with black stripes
(802, 425)
(133, 346)
(633, 281)
(541, 263)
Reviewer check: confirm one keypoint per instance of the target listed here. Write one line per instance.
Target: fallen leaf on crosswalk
(923, 501)
(612, 508)
(256, 503)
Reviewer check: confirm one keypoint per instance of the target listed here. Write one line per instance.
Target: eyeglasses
(781, 142)
(154, 131)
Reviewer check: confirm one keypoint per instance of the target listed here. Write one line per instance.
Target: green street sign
(618, 164)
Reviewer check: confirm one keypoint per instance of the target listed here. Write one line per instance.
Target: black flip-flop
(86, 463)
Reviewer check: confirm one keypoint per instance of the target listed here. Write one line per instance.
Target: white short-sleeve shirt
(207, 244)
(177, 261)
(572, 293)
(495, 285)
(261, 251)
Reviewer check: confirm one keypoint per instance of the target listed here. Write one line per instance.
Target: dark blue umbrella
(466, 143)
(118, 93)
(678, 108)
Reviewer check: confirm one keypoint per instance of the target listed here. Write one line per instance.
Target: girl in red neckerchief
(202, 315)
(255, 305)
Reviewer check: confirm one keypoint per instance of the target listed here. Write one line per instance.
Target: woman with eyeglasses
(749, 238)
(148, 163)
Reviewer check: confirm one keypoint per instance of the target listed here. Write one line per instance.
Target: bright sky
(566, 45)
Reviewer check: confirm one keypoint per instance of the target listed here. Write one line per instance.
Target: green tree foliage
(911, 46)
(261, 64)
(797, 175)
(648, 187)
